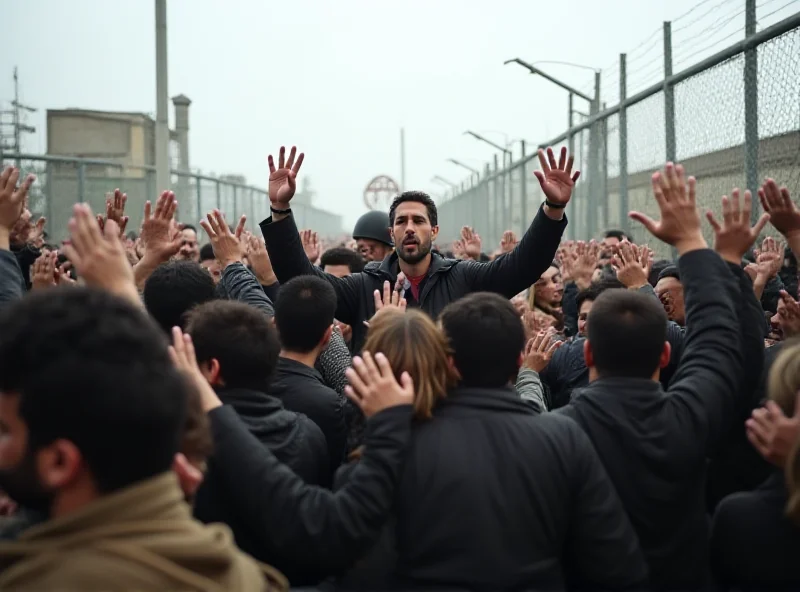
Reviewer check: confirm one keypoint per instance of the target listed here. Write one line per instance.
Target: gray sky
(339, 78)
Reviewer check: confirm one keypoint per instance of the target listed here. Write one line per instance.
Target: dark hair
(131, 235)
(595, 289)
(93, 369)
(241, 338)
(188, 227)
(655, 271)
(617, 234)
(486, 337)
(627, 333)
(670, 271)
(418, 197)
(342, 256)
(304, 311)
(173, 289)
(207, 252)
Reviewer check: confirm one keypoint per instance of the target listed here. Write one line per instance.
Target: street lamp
(444, 181)
(463, 166)
(480, 138)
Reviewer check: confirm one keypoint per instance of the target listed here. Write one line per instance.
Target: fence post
(82, 183)
(593, 202)
(751, 107)
(669, 102)
(496, 230)
(235, 213)
(199, 197)
(523, 197)
(219, 195)
(624, 206)
(604, 178)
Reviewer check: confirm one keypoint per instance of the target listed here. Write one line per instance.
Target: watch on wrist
(275, 210)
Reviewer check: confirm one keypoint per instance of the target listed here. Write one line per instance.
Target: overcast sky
(339, 78)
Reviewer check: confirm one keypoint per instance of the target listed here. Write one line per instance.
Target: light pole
(443, 181)
(162, 99)
(594, 140)
(464, 166)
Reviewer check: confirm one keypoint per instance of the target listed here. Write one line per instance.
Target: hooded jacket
(141, 538)
(447, 280)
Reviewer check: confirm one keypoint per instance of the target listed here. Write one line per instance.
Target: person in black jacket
(304, 318)
(497, 497)
(755, 535)
(432, 281)
(654, 443)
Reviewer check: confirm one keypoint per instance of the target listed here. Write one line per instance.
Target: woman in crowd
(544, 299)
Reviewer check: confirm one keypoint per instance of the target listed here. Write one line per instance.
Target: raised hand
(791, 315)
(310, 240)
(631, 265)
(183, 357)
(389, 299)
(373, 386)
(100, 257)
(43, 271)
(12, 198)
(472, 243)
(769, 259)
(227, 244)
(160, 237)
(458, 249)
(115, 210)
(556, 179)
(282, 180)
(772, 433)
(259, 261)
(680, 221)
(784, 215)
(509, 241)
(36, 235)
(540, 349)
(583, 263)
(734, 236)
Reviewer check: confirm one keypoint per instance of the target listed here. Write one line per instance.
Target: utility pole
(17, 124)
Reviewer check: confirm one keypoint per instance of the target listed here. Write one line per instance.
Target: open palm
(282, 180)
(556, 178)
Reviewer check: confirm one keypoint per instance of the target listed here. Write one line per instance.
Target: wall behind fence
(732, 120)
(63, 182)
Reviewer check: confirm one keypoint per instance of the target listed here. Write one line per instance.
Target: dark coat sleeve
(303, 522)
(12, 286)
(272, 291)
(570, 309)
(289, 260)
(518, 270)
(705, 391)
(238, 283)
(602, 551)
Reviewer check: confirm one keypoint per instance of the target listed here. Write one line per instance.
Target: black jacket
(654, 444)
(12, 284)
(497, 497)
(294, 439)
(447, 279)
(307, 531)
(302, 390)
(754, 547)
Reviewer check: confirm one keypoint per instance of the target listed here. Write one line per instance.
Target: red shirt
(415, 282)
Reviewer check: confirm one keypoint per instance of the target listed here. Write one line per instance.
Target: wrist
(691, 243)
(637, 285)
(553, 213)
(227, 261)
(5, 240)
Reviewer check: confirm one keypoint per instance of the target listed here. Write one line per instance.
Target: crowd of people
(269, 410)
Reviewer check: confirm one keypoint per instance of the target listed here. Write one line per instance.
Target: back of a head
(304, 312)
(486, 337)
(92, 369)
(413, 343)
(241, 338)
(175, 288)
(342, 256)
(627, 331)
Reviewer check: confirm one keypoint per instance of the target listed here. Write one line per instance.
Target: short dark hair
(627, 331)
(342, 256)
(207, 252)
(596, 288)
(617, 234)
(658, 266)
(486, 336)
(241, 338)
(670, 271)
(173, 289)
(93, 369)
(304, 311)
(418, 197)
(188, 227)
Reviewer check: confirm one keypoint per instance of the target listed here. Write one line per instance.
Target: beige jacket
(142, 538)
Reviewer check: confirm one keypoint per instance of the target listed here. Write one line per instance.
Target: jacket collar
(390, 266)
(249, 402)
(466, 399)
(288, 366)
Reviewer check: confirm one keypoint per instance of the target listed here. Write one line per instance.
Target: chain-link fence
(731, 119)
(63, 182)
